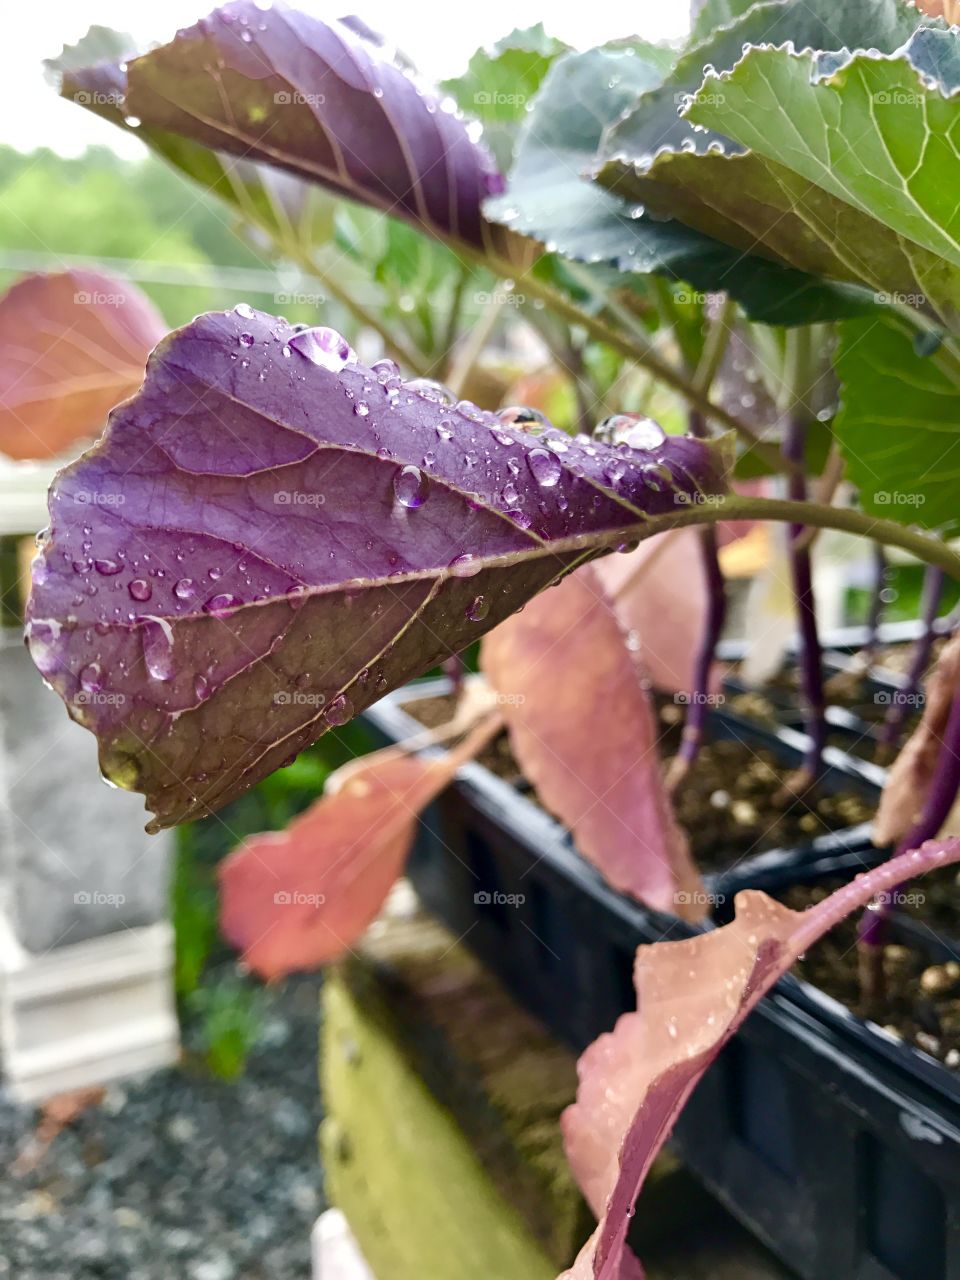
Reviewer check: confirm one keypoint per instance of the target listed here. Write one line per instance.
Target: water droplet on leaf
(91, 678)
(630, 430)
(324, 347)
(430, 390)
(157, 637)
(411, 487)
(545, 468)
(339, 711)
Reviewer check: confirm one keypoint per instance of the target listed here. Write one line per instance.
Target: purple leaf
(319, 99)
(270, 536)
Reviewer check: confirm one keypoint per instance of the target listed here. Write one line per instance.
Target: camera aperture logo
(97, 898)
(495, 898)
(297, 498)
(298, 698)
(298, 898)
(698, 898)
(99, 698)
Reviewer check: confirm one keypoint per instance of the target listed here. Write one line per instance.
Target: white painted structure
(336, 1255)
(86, 947)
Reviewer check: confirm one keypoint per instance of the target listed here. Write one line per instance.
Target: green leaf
(868, 151)
(716, 13)
(654, 124)
(548, 199)
(852, 176)
(499, 83)
(899, 424)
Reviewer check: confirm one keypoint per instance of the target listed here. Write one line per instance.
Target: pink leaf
(299, 898)
(72, 345)
(583, 731)
(691, 998)
(911, 774)
(667, 623)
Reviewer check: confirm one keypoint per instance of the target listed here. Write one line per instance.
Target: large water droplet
(546, 468)
(120, 769)
(630, 430)
(430, 390)
(478, 608)
(42, 635)
(467, 409)
(201, 686)
(140, 589)
(246, 339)
(107, 567)
(339, 711)
(324, 347)
(243, 309)
(221, 603)
(411, 487)
(91, 678)
(465, 566)
(530, 420)
(385, 370)
(185, 589)
(157, 636)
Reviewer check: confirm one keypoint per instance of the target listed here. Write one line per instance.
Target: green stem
(714, 348)
(464, 360)
(928, 549)
(452, 326)
(641, 352)
(404, 355)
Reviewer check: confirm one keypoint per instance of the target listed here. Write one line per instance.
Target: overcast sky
(439, 37)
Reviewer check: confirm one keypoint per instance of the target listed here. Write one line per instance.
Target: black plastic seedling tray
(484, 844)
(851, 639)
(835, 1144)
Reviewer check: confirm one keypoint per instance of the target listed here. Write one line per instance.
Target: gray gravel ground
(177, 1176)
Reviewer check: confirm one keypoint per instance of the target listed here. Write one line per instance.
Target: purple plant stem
(811, 667)
(713, 626)
(919, 661)
(873, 929)
(455, 669)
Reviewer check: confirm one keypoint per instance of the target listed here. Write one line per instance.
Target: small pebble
(213, 1267)
(743, 812)
(928, 1042)
(941, 979)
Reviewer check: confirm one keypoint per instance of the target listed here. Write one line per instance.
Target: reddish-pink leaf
(72, 345)
(911, 774)
(299, 898)
(691, 998)
(582, 728)
(666, 623)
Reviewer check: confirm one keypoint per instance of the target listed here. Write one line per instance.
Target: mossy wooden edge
(502, 1076)
(418, 1200)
